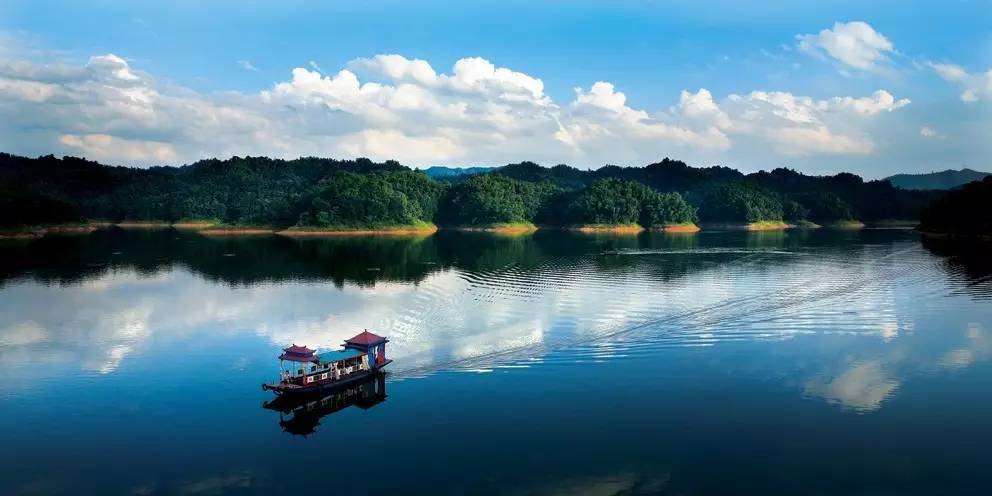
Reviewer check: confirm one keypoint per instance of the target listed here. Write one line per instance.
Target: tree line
(966, 211)
(362, 194)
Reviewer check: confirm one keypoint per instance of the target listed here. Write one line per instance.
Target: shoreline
(847, 225)
(607, 228)
(515, 228)
(140, 224)
(956, 236)
(763, 225)
(211, 228)
(894, 224)
(687, 228)
(194, 225)
(236, 231)
(389, 231)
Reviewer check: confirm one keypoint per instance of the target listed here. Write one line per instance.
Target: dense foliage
(314, 192)
(825, 207)
(486, 200)
(20, 207)
(616, 201)
(964, 211)
(738, 202)
(350, 200)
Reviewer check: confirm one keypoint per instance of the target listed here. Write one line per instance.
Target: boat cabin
(303, 369)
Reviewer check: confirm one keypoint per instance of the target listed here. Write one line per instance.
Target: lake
(815, 362)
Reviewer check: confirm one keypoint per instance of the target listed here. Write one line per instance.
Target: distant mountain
(948, 179)
(441, 172)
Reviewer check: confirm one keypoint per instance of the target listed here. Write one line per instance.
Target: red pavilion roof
(366, 338)
(299, 350)
(297, 354)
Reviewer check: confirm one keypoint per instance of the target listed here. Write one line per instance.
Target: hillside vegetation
(964, 212)
(361, 194)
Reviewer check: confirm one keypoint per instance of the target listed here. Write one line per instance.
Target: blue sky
(786, 83)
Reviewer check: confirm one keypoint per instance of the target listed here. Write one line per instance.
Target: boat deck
(281, 388)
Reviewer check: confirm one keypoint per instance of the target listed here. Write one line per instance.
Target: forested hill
(361, 194)
(963, 212)
(944, 180)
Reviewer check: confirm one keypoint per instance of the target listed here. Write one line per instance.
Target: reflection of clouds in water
(224, 484)
(22, 334)
(889, 331)
(453, 315)
(863, 386)
(979, 347)
(624, 483)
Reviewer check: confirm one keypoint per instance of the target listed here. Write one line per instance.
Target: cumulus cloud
(601, 112)
(392, 107)
(855, 44)
(800, 126)
(976, 86)
(105, 146)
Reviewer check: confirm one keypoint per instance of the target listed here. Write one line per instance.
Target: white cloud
(879, 101)
(798, 126)
(855, 44)
(112, 66)
(976, 86)
(602, 112)
(105, 146)
(927, 132)
(392, 107)
(247, 65)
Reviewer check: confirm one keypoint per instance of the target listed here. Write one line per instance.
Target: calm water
(822, 362)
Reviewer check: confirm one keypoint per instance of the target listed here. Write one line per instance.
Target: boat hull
(296, 389)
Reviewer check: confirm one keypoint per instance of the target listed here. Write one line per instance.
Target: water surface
(553, 363)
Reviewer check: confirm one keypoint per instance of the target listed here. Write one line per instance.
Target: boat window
(313, 368)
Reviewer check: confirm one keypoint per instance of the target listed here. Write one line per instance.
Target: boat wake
(748, 295)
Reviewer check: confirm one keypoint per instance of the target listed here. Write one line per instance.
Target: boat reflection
(300, 414)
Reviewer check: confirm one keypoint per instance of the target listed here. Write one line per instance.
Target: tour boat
(302, 370)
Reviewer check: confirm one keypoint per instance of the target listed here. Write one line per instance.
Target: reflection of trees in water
(968, 263)
(366, 260)
(233, 260)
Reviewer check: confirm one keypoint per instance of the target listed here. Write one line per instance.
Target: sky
(874, 88)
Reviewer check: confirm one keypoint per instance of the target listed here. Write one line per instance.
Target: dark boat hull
(295, 389)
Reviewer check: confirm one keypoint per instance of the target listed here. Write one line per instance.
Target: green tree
(738, 201)
(488, 199)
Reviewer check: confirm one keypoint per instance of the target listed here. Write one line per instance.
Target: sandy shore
(236, 231)
(678, 228)
(608, 228)
(399, 231)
